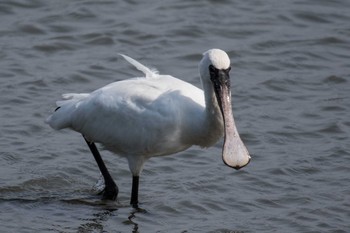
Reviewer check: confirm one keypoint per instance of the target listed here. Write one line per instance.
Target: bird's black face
(221, 83)
(234, 153)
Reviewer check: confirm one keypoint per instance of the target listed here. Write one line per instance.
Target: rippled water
(290, 85)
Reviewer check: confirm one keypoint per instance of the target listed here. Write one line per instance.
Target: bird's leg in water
(110, 191)
(135, 192)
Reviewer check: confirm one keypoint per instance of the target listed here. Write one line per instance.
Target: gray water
(291, 101)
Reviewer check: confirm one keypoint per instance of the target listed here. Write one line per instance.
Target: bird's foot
(137, 209)
(135, 205)
(110, 192)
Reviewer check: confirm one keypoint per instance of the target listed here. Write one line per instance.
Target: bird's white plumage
(143, 117)
(149, 73)
(217, 58)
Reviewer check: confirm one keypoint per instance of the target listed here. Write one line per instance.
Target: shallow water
(291, 101)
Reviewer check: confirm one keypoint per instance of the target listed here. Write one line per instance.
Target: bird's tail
(61, 118)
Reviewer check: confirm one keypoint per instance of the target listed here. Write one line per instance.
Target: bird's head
(215, 66)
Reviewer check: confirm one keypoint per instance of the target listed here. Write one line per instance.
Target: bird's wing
(129, 117)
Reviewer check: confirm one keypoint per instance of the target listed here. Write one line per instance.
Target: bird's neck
(213, 125)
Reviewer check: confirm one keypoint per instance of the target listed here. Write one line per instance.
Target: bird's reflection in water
(132, 217)
(131, 220)
(96, 222)
(107, 210)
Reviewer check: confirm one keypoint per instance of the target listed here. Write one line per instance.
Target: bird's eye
(212, 68)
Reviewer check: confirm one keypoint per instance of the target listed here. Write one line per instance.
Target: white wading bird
(155, 115)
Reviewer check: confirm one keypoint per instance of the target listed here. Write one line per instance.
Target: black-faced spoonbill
(155, 115)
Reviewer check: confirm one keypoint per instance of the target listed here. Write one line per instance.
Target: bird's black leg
(110, 191)
(135, 192)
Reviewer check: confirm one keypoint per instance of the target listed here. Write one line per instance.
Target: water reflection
(107, 211)
(97, 222)
(132, 217)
